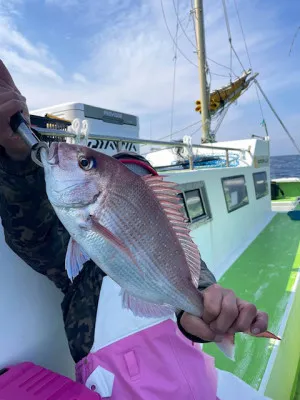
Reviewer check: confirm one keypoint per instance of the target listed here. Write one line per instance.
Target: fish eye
(86, 163)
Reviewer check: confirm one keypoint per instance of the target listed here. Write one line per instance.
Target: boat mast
(204, 95)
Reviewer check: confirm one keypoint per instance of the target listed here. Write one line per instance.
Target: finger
(5, 76)
(212, 299)
(197, 327)
(6, 95)
(228, 314)
(246, 317)
(260, 323)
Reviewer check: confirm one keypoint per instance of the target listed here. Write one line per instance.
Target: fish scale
(141, 282)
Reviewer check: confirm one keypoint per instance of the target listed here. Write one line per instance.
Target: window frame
(241, 205)
(267, 186)
(200, 186)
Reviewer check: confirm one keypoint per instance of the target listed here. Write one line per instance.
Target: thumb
(260, 323)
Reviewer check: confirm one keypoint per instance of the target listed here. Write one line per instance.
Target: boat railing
(53, 134)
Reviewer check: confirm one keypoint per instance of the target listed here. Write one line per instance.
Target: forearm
(31, 227)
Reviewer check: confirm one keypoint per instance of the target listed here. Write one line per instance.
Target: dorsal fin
(167, 195)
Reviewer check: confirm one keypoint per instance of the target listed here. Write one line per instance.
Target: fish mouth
(53, 154)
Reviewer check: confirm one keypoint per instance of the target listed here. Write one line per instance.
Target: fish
(131, 226)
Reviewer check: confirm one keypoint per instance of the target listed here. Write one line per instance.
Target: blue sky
(119, 55)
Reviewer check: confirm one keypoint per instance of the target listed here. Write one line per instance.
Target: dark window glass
(235, 192)
(194, 204)
(260, 184)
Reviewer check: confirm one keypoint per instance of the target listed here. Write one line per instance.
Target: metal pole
(227, 159)
(200, 34)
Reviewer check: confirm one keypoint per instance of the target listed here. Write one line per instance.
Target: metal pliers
(19, 125)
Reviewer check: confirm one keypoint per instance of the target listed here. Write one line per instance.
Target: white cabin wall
(221, 239)
(31, 317)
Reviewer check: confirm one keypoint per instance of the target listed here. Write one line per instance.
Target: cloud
(10, 37)
(79, 78)
(32, 60)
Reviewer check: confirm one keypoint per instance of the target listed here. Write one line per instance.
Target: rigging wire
(223, 76)
(257, 86)
(220, 119)
(277, 116)
(222, 65)
(190, 40)
(182, 28)
(249, 59)
(229, 34)
(181, 130)
(171, 36)
(187, 25)
(209, 59)
(294, 38)
(174, 73)
(176, 132)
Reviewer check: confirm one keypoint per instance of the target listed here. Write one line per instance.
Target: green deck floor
(264, 274)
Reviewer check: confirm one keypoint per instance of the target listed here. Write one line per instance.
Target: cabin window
(235, 192)
(260, 184)
(194, 202)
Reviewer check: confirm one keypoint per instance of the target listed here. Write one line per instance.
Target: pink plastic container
(28, 381)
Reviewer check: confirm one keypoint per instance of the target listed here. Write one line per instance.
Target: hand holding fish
(11, 101)
(224, 315)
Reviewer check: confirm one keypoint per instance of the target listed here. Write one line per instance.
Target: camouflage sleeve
(33, 231)
(31, 227)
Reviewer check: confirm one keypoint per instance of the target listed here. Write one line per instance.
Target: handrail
(91, 136)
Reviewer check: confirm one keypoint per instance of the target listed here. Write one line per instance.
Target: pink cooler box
(28, 381)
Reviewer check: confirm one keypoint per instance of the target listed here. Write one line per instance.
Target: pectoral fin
(75, 259)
